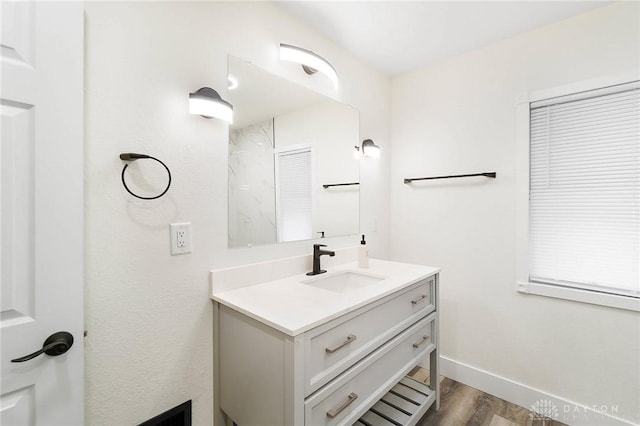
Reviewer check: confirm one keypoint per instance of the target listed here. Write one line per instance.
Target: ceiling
(398, 36)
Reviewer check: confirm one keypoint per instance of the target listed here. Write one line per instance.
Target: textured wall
(459, 116)
(148, 314)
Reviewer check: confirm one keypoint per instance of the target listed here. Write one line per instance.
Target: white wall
(148, 314)
(459, 116)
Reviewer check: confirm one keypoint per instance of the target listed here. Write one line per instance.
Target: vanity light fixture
(310, 61)
(233, 82)
(208, 103)
(368, 149)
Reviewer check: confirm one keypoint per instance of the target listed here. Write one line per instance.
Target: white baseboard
(555, 407)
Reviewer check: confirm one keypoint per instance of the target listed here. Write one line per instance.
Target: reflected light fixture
(208, 103)
(368, 149)
(310, 61)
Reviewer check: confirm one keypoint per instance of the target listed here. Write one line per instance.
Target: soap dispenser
(363, 254)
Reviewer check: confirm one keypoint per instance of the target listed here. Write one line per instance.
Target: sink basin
(343, 281)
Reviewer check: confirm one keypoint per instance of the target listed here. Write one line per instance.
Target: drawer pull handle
(350, 338)
(417, 344)
(419, 299)
(333, 413)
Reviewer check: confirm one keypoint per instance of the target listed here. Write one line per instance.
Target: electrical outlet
(180, 238)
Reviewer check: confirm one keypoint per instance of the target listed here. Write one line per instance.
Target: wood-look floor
(463, 405)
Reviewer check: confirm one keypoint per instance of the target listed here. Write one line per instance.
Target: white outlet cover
(180, 234)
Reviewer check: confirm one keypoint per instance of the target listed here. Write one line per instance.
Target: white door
(41, 193)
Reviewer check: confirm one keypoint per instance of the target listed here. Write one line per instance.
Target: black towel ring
(130, 156)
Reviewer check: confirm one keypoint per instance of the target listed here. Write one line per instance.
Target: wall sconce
(208, 103)
(233, 82)
(369, 149)
(310, 61)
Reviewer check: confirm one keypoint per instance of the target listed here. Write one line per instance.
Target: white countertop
(292, 307)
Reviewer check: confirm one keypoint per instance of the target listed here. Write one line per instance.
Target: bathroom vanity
(333, 349)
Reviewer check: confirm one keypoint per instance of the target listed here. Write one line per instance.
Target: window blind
(295, 220)
(584, 195)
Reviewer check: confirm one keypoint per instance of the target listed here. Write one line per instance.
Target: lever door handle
(56, 344)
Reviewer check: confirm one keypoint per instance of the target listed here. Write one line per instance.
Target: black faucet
(317, 252)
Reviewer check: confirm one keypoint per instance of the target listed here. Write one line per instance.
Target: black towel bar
(327, 185)
(486, 174)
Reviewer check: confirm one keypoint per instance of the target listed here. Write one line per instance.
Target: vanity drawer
(349, 396)
(336, 346)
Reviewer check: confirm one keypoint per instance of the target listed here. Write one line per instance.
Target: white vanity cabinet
(337, 371)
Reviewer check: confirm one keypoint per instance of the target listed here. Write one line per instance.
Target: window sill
(583, 296)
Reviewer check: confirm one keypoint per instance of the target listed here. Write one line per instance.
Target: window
(293, 195)
(584, 191)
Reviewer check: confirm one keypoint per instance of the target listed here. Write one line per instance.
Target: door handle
(56, 344)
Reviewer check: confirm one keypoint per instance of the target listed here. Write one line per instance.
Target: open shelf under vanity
(403, 405)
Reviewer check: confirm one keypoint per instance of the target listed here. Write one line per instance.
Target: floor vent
(177, 416)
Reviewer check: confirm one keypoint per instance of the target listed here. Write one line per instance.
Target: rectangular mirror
(292, 172)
